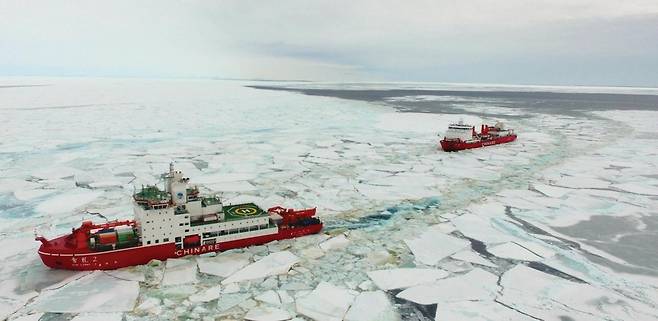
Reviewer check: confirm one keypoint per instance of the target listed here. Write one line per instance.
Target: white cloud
(289, 39)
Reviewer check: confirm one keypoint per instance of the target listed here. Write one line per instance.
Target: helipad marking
(245, 211)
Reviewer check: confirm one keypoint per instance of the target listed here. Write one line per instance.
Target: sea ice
(405, 277)
(150, 305)
(180, 271)
(372, 306)
(337, 242)
(273, 264)
(93, 292)
(207, 295)
(554, 297)
(477, 284)
(551, 191)
(67, 202)
(269, 297)
(432, 246)
(227, 301)
(326, 303)
(98, 317)
(267, 314)
(477, 311)
(480, 226)
(224, 264)
(128, 274)
(28, 317)
(637, 188)
(581, 182)
(511, 250)
(472, 257)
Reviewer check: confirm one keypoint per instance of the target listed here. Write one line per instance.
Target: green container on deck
(125, 235)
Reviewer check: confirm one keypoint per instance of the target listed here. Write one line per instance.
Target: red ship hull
(456, 145)
(61, 258)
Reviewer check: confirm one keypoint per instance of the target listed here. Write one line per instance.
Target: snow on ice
(368, 169)
(223, 264)
(93, 292)
(372, 306)
(273, 264)
(477, 284)
(431, 246)
(326, 302)
(405, 277)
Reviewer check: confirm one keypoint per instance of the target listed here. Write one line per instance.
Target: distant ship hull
(59, 257)
(456, 145)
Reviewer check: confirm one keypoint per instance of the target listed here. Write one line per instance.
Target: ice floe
(180, 271)
(207, 295)
(326, 302)
(67, 202)
(336, 242)
(269, 297)
(514, 251)
(267, 314)
(94, 292)
(554, 297)
(273, 264)
(477, 284)
(477, 311)
(372, 306)
(472, 257)
(403, 278)
(431, 246)
(98, 317)
(224, 264)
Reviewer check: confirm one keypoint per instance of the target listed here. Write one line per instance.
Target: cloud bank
(517, 41)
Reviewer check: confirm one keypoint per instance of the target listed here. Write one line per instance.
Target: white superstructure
(459, 131)
(179, 212)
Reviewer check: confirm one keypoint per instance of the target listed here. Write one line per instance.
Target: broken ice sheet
(273, 264)
(334, 243)
(514, 251)
(68, 201)
(98, 317)
(207, 295)
(432, 246)
(472, 257)
(267, 314)
(372, 306)
(326, 302)
(477, 284)
(93, 292)
(180, 271)
(554, 297)
(477, 311)
(224, 264)
(405, 277)
(227, 301)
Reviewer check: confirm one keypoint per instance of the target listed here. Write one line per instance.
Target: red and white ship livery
(462, 136)
(173, 222)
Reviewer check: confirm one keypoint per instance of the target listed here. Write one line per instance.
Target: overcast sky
(592, 42)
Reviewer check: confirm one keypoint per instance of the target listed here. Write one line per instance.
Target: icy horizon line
(351, 82)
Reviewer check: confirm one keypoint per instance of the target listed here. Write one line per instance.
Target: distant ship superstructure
(173, 222)
(462, 136)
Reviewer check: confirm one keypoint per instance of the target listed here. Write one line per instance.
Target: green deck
(242, 211)
(152, 193)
